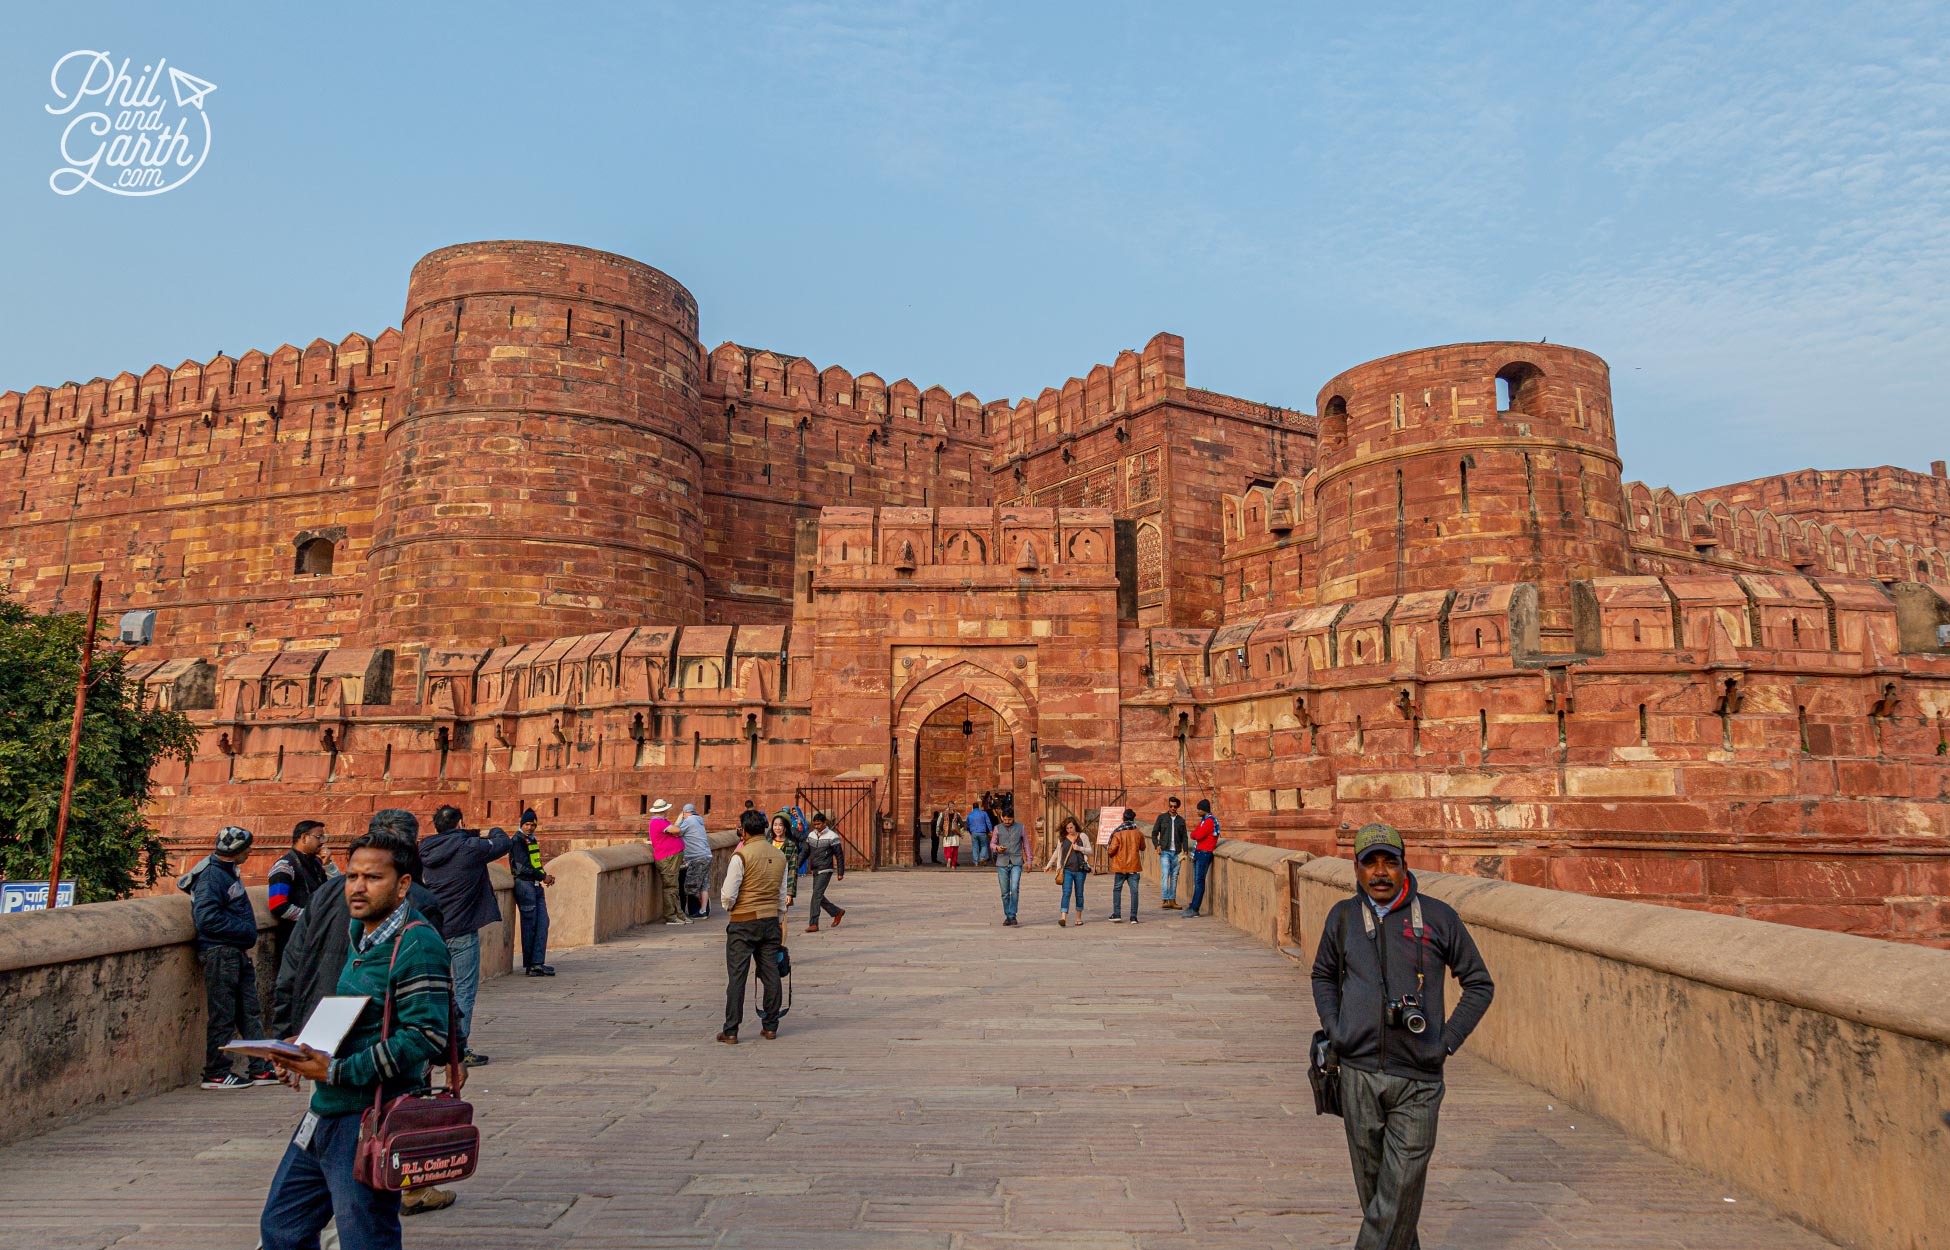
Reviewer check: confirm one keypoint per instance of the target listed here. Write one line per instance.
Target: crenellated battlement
(223, 385)
(1702, 528)
(777, 379)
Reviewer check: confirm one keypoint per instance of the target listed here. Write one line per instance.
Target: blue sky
(1742, 208)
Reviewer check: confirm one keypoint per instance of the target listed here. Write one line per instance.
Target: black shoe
(548, 970)
(534, 972)
(229, 1080)
(473, 1059)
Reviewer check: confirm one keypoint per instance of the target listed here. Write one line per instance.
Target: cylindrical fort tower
(542, 472)
(1475, 463)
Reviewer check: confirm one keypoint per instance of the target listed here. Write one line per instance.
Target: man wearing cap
(1378, 989)
(531, 899)
(226, 932)
(667, 852)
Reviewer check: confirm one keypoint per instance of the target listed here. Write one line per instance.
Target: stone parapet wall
(103, 1003)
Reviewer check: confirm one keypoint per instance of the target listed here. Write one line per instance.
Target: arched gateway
(940, 678)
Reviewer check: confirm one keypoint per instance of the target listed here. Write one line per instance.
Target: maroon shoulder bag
(422, 1137)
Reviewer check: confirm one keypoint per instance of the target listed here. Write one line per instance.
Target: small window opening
(1636, 636)
(1643, 737)
(1483, 729)
(315, 557)
(1794, 628)
(1519, 387)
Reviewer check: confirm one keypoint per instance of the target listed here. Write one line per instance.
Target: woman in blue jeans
(1070, 855)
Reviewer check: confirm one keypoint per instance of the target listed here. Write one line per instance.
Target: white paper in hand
(330, 1021)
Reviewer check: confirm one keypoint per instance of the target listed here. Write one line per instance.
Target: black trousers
(821, 880)
(745, 940)
(230, 991)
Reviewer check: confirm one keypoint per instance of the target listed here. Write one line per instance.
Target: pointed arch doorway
(992, 716)
(962, 752)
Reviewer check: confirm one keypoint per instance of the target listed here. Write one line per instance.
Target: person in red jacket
(1205, 840)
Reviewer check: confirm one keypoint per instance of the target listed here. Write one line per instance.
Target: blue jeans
(1009, 877)
(465, 951)
(1201, 864)
(532, 903)
(1073, 884)
(1168, 876)
(315, 1185)
(981, 846)
(1117, 884)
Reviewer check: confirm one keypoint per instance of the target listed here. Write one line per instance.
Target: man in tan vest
(754, 891)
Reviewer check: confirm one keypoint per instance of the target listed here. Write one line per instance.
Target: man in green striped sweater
(393, 952)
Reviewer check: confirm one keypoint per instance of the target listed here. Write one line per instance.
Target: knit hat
(527, 815)
(233, 840)
(659, 807)
(1205, 805)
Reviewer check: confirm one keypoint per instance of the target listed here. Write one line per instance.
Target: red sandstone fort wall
(1437, 604)
(191, 490)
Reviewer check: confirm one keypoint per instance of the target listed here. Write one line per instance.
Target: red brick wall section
(1425, 482)
(577, 565)
(190, 489)
(543, 469)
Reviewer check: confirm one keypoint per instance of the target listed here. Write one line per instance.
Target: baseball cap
(1377, 837)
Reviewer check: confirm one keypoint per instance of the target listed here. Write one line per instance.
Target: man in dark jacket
(1378, 989)
(226, 933)
(1171, 840)
(825, 857)
(297, 873)
(531, 896)
(456, 862)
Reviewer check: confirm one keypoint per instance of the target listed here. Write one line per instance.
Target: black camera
(1406, 1013)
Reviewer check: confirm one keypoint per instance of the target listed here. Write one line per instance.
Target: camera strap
(1421, 937)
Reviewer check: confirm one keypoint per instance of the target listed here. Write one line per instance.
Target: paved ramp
(942, 1082)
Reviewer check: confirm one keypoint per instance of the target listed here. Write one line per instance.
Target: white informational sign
(1107, 821)
(31, 895)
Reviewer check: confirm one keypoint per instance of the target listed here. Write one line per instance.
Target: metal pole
(74, 741)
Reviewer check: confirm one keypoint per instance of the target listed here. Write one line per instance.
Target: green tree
(110, 850)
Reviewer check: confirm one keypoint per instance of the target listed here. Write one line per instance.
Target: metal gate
(851, 810)
(1086, 803)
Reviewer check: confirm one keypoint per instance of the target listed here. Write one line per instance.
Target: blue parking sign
(31, 896)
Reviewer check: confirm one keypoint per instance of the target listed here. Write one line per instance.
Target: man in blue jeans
(980, 826)
(456, 862)
(393, 953)
(1205, 840)
(1011, 849)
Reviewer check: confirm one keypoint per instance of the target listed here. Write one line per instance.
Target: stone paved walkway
(941, 1083)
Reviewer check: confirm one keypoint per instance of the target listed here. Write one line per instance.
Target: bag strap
(386, 1019)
